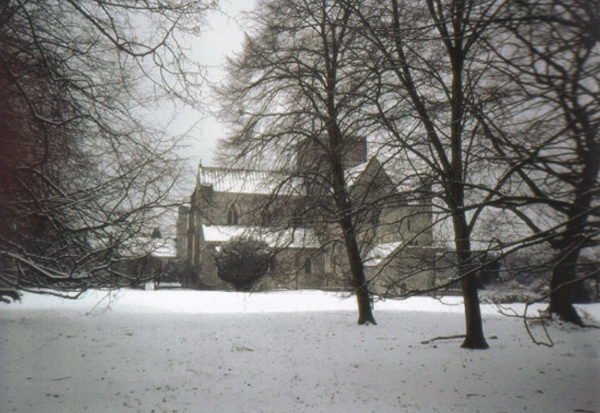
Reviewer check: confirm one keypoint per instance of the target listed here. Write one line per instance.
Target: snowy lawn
(187, 351)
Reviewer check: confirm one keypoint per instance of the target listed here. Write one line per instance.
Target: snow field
(186, 351)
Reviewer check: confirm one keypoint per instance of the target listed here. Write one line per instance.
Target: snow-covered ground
(189, 351)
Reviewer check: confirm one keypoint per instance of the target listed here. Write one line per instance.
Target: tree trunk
(474, 337)
(341, 196)
(562, 284)
(359, 280)
(344, 209)
(564, 276)
(561, 290)
(454, 43)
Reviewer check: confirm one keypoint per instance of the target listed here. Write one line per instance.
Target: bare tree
(293, 97)
(547, 70)
(82, 174)
(430, 71)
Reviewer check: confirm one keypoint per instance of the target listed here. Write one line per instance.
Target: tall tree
(82, 174)
(429, 73)
(548, 72)
(298, 88)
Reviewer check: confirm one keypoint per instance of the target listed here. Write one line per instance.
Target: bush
(242, 262)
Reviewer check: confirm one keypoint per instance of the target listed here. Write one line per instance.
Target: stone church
(393, 222)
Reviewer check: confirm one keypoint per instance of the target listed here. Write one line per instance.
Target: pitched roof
(264, 182)
(380, 252)
(375, 168)
(245, 181)
(352, 174)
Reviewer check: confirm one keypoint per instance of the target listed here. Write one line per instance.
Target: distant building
(394, 224)
(148, 259)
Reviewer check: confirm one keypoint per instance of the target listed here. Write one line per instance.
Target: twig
(529, 319)
(541, 318)
(443, 338)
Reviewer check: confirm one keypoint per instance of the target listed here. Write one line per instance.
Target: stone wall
(408, 270)
(384, 214)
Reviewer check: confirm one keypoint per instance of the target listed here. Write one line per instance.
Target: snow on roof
(287, 238)
(352, 174)
(157, 247)
(402, 184)
(244, 181)
(262, 182)
(164, 248)
(380, 252)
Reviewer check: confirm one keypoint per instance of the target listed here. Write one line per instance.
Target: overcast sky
(223, 37)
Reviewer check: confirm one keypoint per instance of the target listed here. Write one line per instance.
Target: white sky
(222, 38)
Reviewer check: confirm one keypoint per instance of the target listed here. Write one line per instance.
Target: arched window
(233, 215)
(308, 266)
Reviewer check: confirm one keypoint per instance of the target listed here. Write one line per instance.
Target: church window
(307, 266)
(233, 215)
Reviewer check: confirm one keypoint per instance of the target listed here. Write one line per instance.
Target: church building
(393, 223)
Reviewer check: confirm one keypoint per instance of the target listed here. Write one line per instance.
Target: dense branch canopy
(82, 175)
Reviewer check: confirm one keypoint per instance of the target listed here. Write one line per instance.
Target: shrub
(242, 261)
